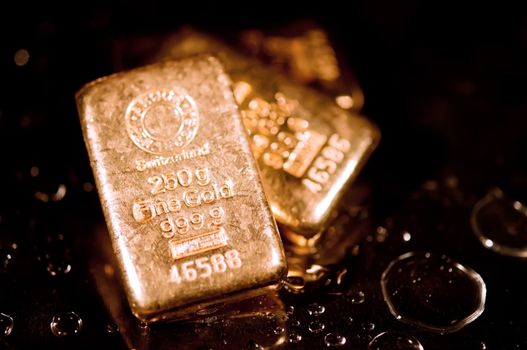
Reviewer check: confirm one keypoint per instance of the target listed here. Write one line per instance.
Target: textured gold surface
(308, 149)
(179, 186)
(305, 52)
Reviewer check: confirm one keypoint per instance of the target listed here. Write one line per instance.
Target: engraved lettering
(191, 198)
(162, 121)
(204, 267)
(184, 177)
(181, 248)
(182, 223)
(326, 163)
(143, 211)
(280, 137)
(161, 208)
(142, 165)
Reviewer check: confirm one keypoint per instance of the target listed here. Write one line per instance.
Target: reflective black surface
(445, 84)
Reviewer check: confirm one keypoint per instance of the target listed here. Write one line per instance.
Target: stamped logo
(162, 121)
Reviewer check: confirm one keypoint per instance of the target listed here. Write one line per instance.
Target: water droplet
(112, 328)
(440, 301)
(368, 326)
(294, 323)
(59, 194)
(50, 190)
(407, 236)
(65, 324)
(6, 256)
(279, 330)
(290, 310)
(294, 337)
(357, 297)
(394, 341)
(316, 309)
(334, 340)
(58, 267)
(6, 325)
(316, 327)
(252, 345)
(294, 284)
(500, 223)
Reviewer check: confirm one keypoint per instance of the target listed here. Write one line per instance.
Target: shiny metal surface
(308, 150)
(179, 187)
(305, 51)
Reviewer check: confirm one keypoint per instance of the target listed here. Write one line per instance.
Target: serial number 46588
(205, 267)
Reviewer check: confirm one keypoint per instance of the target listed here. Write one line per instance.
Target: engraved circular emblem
(162, 121)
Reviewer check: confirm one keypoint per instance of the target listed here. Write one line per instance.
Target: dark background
(446, 84)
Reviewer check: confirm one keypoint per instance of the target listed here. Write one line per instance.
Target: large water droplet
(316, 309)
(316, 327)
(500, 223)
(67, 323)
(433, 292)
(334, 340)
(6, 325)
(394, 341)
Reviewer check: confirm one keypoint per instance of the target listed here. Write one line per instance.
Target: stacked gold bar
(307, 148)
(178, 150)
(179, 187)
(305, 52)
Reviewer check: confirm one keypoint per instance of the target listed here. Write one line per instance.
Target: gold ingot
(308, 149)
(305, 52)
(179, 187)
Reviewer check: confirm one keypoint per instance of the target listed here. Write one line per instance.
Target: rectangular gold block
(179, 187)
(305, 52)
(308, 150)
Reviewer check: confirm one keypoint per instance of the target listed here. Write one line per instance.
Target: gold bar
(179, 187)
(308, 150)
(305, 52)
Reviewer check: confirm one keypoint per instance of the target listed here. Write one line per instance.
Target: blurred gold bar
(179, 187)
(308, 150)
(305, 52)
